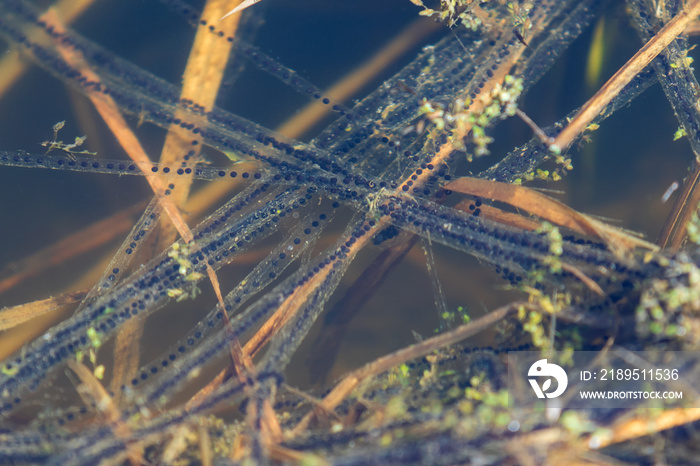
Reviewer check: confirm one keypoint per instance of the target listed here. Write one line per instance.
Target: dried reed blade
(109, 112)
(92, 391)
(85, 240)
(205, 449)
(13, 316)
(201, 81)
(500, 216)
(624, 75)
(244, 4)
(641, 426)
(384, 363)
(12, 67)
(177, 445)
(550, 210)
(673, 232)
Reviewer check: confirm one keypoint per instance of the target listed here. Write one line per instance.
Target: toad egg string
(257, 57)
(140, 93)
(122, 259)
(673, 70)
(118, 167)
(146, 290)
(301, 238)
(130, 80)
(135, 92)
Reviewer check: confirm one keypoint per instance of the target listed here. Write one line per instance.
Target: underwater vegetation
(183, 284)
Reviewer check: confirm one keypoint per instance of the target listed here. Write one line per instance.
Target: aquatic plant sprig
(452, 12)
(498, 104)
(69, 148)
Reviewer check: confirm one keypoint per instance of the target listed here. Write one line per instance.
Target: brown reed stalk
(626, 73)
(11, 317)
(12, 67)
(353, 379)
(201, 80)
